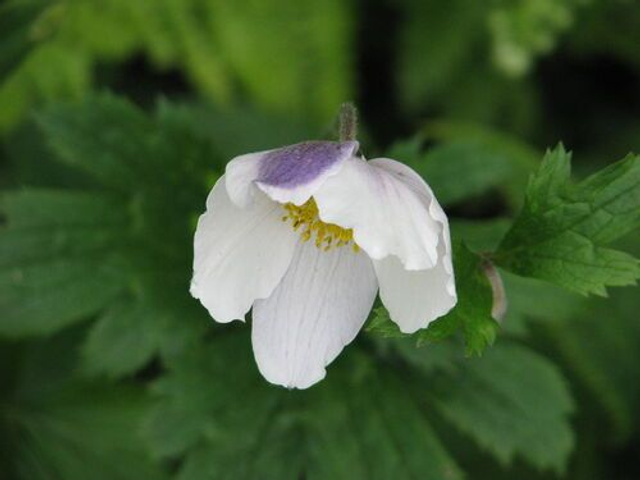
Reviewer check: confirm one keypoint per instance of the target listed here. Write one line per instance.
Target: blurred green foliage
(109, 369)
(226, 49)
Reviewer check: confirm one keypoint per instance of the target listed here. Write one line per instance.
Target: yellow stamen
(327, 235)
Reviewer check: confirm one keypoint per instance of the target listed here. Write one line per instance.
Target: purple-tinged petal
(288, 174)
(300, 164)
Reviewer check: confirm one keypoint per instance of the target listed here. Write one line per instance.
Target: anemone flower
(306, 235)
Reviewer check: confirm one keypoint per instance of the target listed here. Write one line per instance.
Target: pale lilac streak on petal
(318, 308)
(293, 174)
(240, 255)
(301, 163)
(288, 174)
(388, 217)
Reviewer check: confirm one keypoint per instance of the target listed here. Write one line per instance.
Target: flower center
(327, 235)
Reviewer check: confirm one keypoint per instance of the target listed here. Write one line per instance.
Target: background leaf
(330, 433)
(277, 40)
(508, 412)
(561, 232)
(64, 427)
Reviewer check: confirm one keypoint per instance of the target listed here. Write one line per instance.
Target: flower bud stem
(347, 122)
(500, 304)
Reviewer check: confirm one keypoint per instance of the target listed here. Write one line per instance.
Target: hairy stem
(347, 122)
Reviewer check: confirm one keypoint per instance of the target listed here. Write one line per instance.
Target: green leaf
(124, 339)
(513, 402)
(510, 414)
(119, 248)
(472, 313)
(106, 138)
(46, 297)
(61, 427)
(361, 411)
(601, 347)
(18, 22)
(52, 259)
(561, 233)
(471, 316)
(380, 324)
(524, 295)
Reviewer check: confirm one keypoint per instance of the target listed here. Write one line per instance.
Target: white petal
(239, 254)
(240, 174)
(387, 215)
(321, 304)
(420, 187)
(414, 298)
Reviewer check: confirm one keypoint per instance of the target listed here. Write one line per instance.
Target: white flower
(306, 234)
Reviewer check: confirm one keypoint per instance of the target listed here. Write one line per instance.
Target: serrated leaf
(561, 233)
(119, 248)
(512, 401)
(330, 431)
(54, 253)
(601, 347)
(62, 427)
(57, 263)
(527, 298)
